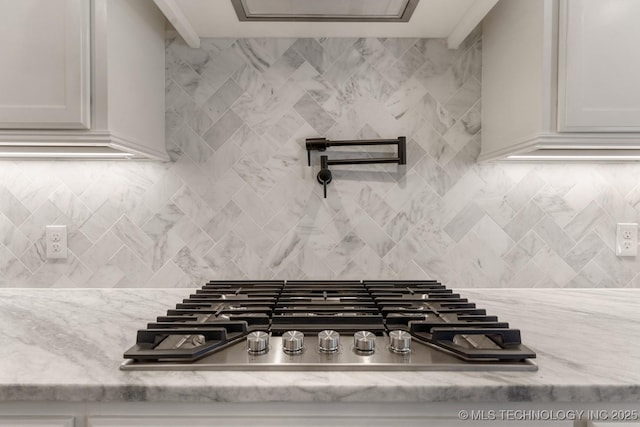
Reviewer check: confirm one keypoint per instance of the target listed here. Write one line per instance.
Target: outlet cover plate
(627, 239)
(56, 238)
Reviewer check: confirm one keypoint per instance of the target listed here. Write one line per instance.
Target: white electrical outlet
(627, 239)
(56, 236)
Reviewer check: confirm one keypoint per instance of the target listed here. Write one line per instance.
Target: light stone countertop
(67, 345)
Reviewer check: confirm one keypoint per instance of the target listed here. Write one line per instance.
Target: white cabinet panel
(310, 421)
(264, 421)
(82, 79)
(599, 66)
(560, 80)
(36, 422)
(44, 77)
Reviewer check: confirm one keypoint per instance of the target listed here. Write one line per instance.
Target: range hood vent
(325, 10)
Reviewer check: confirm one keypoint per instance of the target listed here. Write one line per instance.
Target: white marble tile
(216, 105)
(621, 269)
(193, 146)
(584, 251)
(556, 268)
(426, 110)
(132, 236)
(312, 265)
(134, 269)
(523, 251)
(343, 67)
(529, 276)
(524, 190)
(238, 112)
(223, 129)
(223, 221)
(192, 205)
(12, 270)
(374, 52)
(524, 221)
(584, 221)
(284, 251)
(465, 189)
(343, 251)
(103, 249)
(552, 202)
(260, 179)
(253, 83)
(426, 204)
(313, 83)
(494, 236)
(77, 241)
(467, 96)
(251, 203)
(371, 265)
(496, 208)
(464, 129)
(163, 221)
(187, 231)
(255, 237)
(433, 143)
(280, 71)
(315, 115)
(374, 236)
(197, 87)
(554, 236)
(314, 54)
(441, 85)
(400, 71)
(168, 276)
(194, 268)
(11, 207)
(252, 51)
(398, 46)
(592, 276)
(408, 94)
(11, 236)
(335, 46)
(32, 188)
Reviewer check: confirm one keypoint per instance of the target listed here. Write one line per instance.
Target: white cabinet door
(613, 424)
(44, 64)
(36, 421)
(309, 421)
(261, 421)
(599, 66)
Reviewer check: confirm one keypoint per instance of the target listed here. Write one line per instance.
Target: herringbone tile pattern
(238, 200)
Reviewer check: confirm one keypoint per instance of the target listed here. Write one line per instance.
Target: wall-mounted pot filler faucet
(324, 177)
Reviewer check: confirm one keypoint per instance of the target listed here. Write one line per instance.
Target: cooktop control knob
(292, 341)
(364, 341)
(400, 341)
(257, 342)
(328, 341)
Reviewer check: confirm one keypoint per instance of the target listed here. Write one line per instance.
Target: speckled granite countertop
(67, 345)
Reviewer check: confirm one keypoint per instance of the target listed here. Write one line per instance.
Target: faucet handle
(324, 176)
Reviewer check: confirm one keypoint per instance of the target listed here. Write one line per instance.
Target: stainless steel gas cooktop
(328, 325)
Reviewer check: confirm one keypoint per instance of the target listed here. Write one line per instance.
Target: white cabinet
(361, 420)
(118, 70)
(264, 421)
(36, 421)
(559, 80)
(613, 424)
(598, 83)
(44, 77)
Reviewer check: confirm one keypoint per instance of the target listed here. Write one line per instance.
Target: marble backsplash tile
(238, 200)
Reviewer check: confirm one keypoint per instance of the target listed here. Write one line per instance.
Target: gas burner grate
(222, 313)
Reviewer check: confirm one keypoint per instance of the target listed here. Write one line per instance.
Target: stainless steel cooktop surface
(328, 325)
